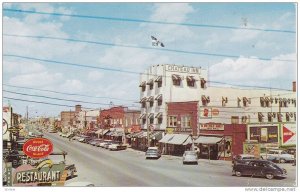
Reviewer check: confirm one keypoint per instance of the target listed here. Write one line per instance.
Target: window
(287, 117)
(176, 80)
(159, 100)
(144, 121)
(190, 81)
(143, 102)
(224, 101)
(262, 102)
(205, 100)
(150, 83)
(186, 121)
(239, 102)
(267, 102)
(244, 119)
(295, 116)
(159, 120)
(172, 121)
(151, 120)
(246, 101)
(203, 83)
(151, 101)
(234, 119)
(143, 86)
(279, 117)
(260, 117)
(270, 117)
(159, 81)
(285, 102)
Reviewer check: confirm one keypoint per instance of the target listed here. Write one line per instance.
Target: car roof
(152, 147)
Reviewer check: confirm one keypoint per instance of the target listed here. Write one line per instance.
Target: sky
(106, 86)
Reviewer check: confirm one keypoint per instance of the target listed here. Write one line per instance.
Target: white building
(168, 83)
(85, 118)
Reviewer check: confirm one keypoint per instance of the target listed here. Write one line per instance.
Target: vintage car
(242, 158)
(262, 168)
(277, 155)
(117, 146)
(190, 157)
(153, 152)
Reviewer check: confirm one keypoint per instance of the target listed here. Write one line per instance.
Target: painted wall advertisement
(288, 134)
(264, 134)
(251, 148)
(207, 112)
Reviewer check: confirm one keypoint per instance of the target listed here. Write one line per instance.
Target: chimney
(77, 108)
(294, 86)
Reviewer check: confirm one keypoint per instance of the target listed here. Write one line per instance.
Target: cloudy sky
(105, 86)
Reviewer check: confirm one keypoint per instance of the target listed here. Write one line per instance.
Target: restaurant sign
(212, 126)
(183, 69)
(38, 148)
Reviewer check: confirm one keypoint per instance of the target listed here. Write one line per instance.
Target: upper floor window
(262, 102)
(246, 101)
(172, 121)
(239, 102)
(143, 102)
(159, 100)
(260, 117)
(151, 101)
(159, 118)
(158, 80)
(203, 83)
(186, 121)
(150, 83)
(245, 119)
(224, 101)
(287, 117)
(143, 86)
(176, 80)
(279, 117)
(267, 102)
(143, 118)
(235, 119)
(151, 118)
(190, 81)
(205, 100)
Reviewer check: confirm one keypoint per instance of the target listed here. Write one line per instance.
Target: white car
(102, 144)
(277, 155)
(190, 157)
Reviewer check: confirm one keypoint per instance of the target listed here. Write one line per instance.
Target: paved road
(129, 168)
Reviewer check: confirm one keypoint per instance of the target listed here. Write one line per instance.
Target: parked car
(106, 146)
(83, 138)
(102, 144)
(190, 157)
(153, 152)
(117, 146)
(277, 155)
(94, 141)
(291, 151)
(262, 168)
(242, 158)
(75, 137)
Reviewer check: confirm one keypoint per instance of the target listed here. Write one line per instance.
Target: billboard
(264, 134)
(288, 132)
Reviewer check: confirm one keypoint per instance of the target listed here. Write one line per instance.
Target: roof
(208, 140)
(166, 138)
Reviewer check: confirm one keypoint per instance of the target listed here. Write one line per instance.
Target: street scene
(149, 95)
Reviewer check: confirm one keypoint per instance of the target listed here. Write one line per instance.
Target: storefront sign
(170, 130)
(185, 130)
(38, 148)
(212, 126)
(44, 173)
(7, 172)
(182, 69)
(289, 134)
(264, 134)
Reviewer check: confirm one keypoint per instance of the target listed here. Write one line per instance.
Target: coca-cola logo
(38, 148)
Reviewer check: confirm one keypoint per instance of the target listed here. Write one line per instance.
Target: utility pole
(147, 124)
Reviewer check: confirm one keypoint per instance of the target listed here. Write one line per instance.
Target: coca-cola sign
(38, 148)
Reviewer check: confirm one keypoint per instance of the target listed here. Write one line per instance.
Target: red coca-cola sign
(38, 148)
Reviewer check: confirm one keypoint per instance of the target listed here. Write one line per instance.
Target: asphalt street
(129, 168)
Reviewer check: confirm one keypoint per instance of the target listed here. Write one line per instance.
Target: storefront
(175, 144)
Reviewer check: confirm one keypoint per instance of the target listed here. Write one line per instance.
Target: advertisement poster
(289, 136)
(251, 149)
(264, 134)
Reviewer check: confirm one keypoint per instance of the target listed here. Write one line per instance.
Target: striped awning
(178, 139)
(158, 97)
(208, 140)
(158, 79)
(151, 115)
(158, 115)
(143, 100)
(142, 84)
(166, 138)
(151, 98)
(143, 116)
(176, 77)
(190, 78)
(150, 82)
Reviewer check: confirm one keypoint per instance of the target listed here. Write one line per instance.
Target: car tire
(238, 173)
(269, 176)
(282, 160)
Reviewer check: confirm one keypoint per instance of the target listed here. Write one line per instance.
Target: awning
(151, 115)
(158, 115)
(143, 135)
(109, 133)
(188, 141)
(99, 131)
(143, 84)
(104, 131)
(208, 140)
(136, 134)
(178, 139)
(158, 79)
(159, 97)
(156, 135)
(150, 82)
(143, 100)
(117, 134)
(190, 78)
(176, 77)
(143, 116)
(150, 99)
(166, 138)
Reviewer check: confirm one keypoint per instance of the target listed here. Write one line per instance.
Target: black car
(262, 168)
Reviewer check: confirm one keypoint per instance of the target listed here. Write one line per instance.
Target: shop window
(235, 119)
(172, 121)
(176, 80)
(190, 81)
(186, 121)
(224, 101)
(205, 100)
(260, 117)
(203, 83)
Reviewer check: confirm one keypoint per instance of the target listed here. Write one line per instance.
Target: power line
(64, 93)
(18, 93)
(148, 21)
(141, 47)
(124, 71)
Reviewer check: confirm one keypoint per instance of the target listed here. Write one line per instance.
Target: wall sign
(38, 148)
(212, 126)
(264, 134)
(289, 134)
(183, 69)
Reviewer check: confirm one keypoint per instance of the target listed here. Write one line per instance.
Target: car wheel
(282, 160)
(238, 173)
(269, 176)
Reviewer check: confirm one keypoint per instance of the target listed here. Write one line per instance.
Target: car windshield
(190, 153)
(273, 165)
(152, 150)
